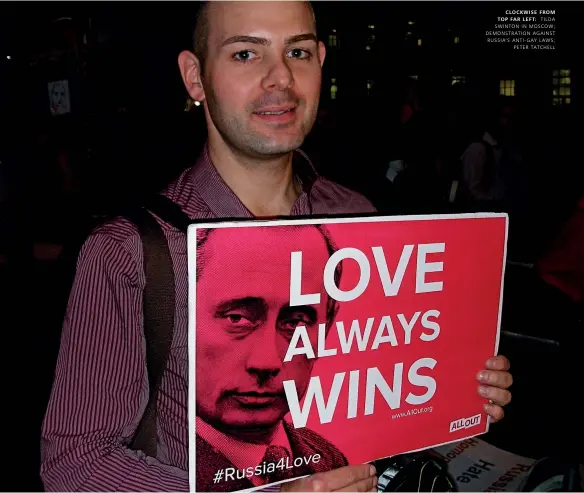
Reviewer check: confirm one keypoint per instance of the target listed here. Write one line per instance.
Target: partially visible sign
(59, 100)
(395, 168)
(479, 466)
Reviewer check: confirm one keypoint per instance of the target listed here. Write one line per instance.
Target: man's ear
(190, 70)
(321, 52)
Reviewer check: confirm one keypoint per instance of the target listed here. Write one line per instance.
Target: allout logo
(463, 423)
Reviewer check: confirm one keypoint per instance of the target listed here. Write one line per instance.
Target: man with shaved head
(256, 69)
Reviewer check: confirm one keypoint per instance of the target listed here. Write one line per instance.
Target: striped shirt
(100, 388)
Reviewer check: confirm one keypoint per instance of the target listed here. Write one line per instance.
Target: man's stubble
(238, 132)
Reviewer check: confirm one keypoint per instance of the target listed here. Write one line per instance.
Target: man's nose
(264, 359)
(279, 76)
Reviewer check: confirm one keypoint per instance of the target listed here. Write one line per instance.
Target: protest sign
(314, 343)
(476, 465)
(59, 99)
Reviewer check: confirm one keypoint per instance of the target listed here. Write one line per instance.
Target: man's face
(58, 96)
(245, 324)
(262, 75)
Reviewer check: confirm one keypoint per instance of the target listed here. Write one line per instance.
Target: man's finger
(498, 396)
(331, 480)
(367, 484)
(499, 363)
(495, 378)
(495, 412)
(344, 476)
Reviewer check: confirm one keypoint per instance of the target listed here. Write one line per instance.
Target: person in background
(491, 163)
(562, 264)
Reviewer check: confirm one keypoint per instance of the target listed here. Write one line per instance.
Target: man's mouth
(257, 399)
(276, 114)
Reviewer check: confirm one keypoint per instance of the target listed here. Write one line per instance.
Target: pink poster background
(469, 306)
(469, 320)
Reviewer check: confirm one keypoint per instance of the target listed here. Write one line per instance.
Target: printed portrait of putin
(244, 326)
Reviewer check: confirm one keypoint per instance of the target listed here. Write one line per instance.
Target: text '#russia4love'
(314, 344)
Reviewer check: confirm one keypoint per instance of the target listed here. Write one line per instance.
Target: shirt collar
(221, 199)
(241, 454)
(304, 170)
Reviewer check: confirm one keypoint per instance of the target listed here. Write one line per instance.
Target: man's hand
(349, 478)
(495, 380)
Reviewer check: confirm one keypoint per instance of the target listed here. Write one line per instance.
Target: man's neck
(267, 187)
(257, 436)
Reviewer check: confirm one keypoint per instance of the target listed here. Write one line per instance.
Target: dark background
(128, 134)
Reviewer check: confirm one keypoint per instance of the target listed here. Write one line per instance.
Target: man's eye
(300, 54)
(238, 319)
(292, 323)
(244, 56)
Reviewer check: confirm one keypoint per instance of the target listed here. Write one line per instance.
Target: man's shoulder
(114, 244)
(185, 191)
(121, 233)
(209, 461)
(477, 148)
(306, 442)
(338, 199)
(116, 230)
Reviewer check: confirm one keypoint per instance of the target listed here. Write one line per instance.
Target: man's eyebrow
(266, 42)
(254, 304)
(246, 39)
(301, 37)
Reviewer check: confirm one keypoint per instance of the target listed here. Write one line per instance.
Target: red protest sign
(317, 343)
